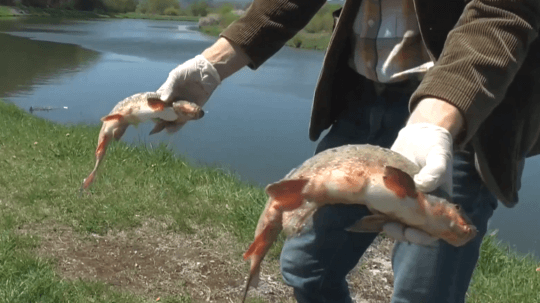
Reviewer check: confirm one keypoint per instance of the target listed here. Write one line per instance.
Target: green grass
(503, 276)
(305, 40)
(43, 165)
(5, 11)
(134, 15)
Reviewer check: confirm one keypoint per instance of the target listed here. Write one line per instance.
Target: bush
(320, 23)
(120, 6)
(142, 7)
(199, 8)
(156, 6)
(225, 9)
(227, 19)
(171, 11)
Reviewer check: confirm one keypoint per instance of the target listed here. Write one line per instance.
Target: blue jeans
(316, 262)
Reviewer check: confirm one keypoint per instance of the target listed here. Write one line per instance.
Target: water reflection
(26, 63)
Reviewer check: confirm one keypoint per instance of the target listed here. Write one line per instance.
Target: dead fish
(139, 108)
(366, 175)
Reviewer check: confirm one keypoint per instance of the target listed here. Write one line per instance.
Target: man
(465, 69)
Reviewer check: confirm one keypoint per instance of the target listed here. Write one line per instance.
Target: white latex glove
(430, 147)
(194, 80)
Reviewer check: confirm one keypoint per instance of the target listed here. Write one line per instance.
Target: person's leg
(441, 274)
(316, 262)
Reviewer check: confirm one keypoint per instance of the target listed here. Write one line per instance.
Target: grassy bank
(8, 11)
(43, 165)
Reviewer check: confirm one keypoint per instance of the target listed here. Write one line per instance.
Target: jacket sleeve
(481, 56)
(268, 25)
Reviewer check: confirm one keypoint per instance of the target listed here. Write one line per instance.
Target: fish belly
(146, 113)
(407, 210)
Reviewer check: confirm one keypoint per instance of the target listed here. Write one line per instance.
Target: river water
(256, 123)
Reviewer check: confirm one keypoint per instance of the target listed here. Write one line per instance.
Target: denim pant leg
(442, 273)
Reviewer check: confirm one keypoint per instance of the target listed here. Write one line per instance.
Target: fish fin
(112, 117)
(288, 193)
(160, 125)
(369, 224)
(174, 127)
(156, 104)
(119, 132)
(398, 181)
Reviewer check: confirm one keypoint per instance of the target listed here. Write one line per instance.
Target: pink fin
(156, 104)
(119, 132)
(288, 193)
(112, 117)
(398, 181)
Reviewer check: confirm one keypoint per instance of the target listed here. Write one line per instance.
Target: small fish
(139, 108)
(366, 175)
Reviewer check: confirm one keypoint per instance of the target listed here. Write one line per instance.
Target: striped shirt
(387, 45)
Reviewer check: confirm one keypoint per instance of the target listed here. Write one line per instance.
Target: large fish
(139, 108)
(366, 175)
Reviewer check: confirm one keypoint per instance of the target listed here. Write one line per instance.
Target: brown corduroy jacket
(487, 64)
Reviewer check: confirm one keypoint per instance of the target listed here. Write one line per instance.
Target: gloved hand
(430, 147)
(194, 80)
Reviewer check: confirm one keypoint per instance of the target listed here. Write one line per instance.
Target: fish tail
(256, 252)
(86, 182)
(252, 280)
(102, 146)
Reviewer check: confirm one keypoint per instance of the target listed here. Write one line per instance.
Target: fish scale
(368, 175)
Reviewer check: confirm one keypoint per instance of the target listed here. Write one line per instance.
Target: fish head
(457, 228)
(187, 111)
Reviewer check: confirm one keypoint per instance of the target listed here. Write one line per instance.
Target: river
(256, 123)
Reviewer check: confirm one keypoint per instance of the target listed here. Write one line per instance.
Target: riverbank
(155, 227)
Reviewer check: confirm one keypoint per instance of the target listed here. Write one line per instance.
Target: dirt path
(154, 263)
